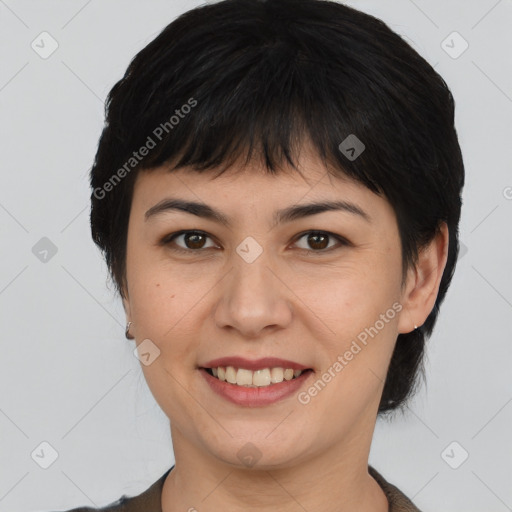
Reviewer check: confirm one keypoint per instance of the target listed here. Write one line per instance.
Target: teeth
(258, 378)
(276, 375)
(243, 377)
(231, 375)
(261, 377)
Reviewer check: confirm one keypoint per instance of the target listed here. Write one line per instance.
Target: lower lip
(255, 397)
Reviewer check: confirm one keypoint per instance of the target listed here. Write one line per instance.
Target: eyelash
(167, 240)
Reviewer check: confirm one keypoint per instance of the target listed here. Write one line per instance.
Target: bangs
(223, 105)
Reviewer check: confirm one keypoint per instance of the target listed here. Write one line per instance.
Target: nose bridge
(253, 297)
(252, 278)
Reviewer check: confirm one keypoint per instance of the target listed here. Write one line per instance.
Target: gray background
(69, 378)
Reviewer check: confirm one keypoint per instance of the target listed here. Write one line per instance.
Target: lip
(254, 364)
(255, 397)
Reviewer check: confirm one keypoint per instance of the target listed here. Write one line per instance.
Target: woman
(277, 192)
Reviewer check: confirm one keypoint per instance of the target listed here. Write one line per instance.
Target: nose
(254, 298)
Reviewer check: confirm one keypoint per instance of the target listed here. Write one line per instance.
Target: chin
(259, 452)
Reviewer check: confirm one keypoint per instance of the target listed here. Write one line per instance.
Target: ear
(422, 284)
(126, 306)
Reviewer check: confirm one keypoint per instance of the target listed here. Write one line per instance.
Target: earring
(415, 326)
(127, 332)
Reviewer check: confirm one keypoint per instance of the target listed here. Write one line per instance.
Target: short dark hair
(240, 78)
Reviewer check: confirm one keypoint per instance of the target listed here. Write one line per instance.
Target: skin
(298, 300)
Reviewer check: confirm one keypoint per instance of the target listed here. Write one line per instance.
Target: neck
(337, 481)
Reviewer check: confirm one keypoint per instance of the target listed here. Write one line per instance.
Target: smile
(254, 383)
(254, 379)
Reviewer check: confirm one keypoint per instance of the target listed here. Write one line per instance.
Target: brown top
(150, 499)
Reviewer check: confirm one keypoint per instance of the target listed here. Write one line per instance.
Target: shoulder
(398, 501)
(147, 501)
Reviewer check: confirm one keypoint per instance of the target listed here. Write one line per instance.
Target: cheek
(358, 308)
(349, 297)
(166, 309)
(159, 297)
(161, 312)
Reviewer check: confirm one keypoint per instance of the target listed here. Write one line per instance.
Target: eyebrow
(281, 216)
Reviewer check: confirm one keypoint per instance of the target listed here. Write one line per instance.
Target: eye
(319, 241)
(194, 241)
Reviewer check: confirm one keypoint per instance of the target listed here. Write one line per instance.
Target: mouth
(261, 378)
(254, 383)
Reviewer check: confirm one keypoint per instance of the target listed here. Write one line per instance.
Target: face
(321, 292)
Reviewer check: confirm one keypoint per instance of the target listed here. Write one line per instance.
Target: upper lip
(254, 364)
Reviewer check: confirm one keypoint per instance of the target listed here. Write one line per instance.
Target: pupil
(192, 235)
(316, 245)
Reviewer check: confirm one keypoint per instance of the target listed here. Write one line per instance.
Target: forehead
(252, 190)
(245, 202)
(311, 173)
